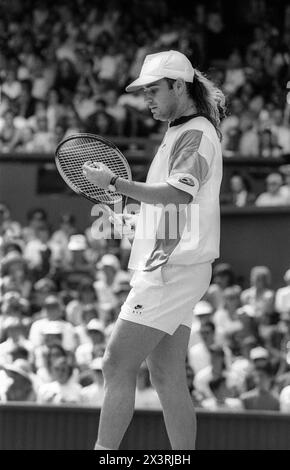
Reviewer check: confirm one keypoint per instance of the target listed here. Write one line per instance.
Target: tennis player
(176, 240)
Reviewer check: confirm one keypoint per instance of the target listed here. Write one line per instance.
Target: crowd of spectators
(276, 191)
(239, 349)
(60, 295)
(64, 67)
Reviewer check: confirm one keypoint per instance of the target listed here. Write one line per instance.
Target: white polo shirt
(189, 158)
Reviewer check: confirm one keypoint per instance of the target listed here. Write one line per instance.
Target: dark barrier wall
(249, 236)
(256, 236)
(23, 185)
(32, 180)
(36, 427)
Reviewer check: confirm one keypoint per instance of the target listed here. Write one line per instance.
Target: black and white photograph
(144, 228)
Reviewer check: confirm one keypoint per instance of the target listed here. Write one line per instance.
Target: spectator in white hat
(52, 334)
(203, 312)
(77, 242)
(52, 311)
(14, 330)
(13, 306)
(107, 282)
(248, 321)
(14, 266)
(199, 355)
(79, 254)
(88, 313)
(19, 384)
(95, 346)
(259, 355)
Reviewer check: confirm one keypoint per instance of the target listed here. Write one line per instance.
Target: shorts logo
(186, 180)
(138, 309)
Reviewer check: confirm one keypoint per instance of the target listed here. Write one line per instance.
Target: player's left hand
(98, 174)
(124, 225)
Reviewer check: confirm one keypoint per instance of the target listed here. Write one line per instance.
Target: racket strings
(75, 152)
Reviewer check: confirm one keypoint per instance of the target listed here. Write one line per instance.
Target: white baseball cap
(77, 243)
(20, 367)
(203, 308)
(109, 260)
(95, 325)
(259, 353)
(167, 64)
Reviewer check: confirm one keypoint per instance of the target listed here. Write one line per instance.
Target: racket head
(72, 152)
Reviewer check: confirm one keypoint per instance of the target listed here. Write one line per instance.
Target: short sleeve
(189, 161)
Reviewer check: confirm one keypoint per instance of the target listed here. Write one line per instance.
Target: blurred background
(63, 69)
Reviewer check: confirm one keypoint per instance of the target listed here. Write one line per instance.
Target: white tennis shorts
(164, 298)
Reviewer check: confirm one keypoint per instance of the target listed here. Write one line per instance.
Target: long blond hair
(208, 99)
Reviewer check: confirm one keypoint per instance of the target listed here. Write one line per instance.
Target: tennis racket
(74, 151)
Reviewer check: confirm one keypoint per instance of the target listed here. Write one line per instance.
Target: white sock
(98, 447)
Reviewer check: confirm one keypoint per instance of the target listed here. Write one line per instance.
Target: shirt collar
(184, 119)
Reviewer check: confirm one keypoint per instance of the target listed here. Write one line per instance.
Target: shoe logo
(138, 309)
